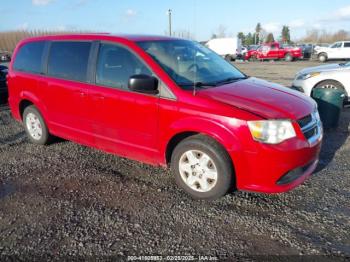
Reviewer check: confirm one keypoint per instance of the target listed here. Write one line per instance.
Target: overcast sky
(200, 17)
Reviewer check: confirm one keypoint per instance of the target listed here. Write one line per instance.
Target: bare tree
(9, 39)
(220, 32)
(322, 36)
(184, 34)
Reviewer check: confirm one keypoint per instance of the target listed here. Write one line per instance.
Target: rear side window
(69, 60)
(29, 57)
(347, 44)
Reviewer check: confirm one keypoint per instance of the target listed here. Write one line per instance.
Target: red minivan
(170, 102)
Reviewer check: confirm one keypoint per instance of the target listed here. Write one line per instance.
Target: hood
(268, 100)
(320, 49)
(323, 68)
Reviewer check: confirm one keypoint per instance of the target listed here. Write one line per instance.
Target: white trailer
(226, 47)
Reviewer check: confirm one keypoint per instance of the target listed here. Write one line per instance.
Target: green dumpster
(330, 104)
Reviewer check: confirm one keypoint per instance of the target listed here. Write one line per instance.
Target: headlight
(271, 131)
(306, 76)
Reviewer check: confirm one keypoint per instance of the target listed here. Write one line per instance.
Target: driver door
(125, 122)
(336, 51)
(347, 49)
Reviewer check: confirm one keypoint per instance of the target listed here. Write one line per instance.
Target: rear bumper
(264, 169)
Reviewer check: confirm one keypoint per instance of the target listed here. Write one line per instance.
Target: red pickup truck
(274, 51)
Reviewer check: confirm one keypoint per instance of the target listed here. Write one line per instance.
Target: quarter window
(29, 57)
(116, 64)
(69, 60)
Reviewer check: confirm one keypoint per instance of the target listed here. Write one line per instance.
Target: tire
(35, 126)
(333, 85)
(288, 58)
(322, 57)
(252, 58)
(215, 160)
(228, 58)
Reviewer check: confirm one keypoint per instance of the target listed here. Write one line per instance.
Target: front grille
(304, 121)
(311, 127)
(312, 132)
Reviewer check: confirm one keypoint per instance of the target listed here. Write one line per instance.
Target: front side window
(69, 60)
(116, 64)
(29, 57)
(337, 45)
(190, 64)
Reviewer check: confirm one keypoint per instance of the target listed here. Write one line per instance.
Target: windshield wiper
(230, 80)
(197, 84)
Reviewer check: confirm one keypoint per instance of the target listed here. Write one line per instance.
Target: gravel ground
(66, 200)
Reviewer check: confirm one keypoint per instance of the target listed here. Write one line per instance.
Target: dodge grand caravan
(170, 102)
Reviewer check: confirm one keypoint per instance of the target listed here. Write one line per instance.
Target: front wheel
(35, 126)
(288, 58)
(202, 167)
(322, 58)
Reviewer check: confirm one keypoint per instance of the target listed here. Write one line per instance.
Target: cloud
(41, 2)
(61, 28)
(130, 13)
(295, 24)
(272, 27)
(23, 26)
(342, 14)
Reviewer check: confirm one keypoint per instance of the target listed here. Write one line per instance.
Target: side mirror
(143, 84)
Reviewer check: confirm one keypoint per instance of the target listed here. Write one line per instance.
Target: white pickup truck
(338, 50)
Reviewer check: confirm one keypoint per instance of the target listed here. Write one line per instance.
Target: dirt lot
(69, 200)
(278, 72)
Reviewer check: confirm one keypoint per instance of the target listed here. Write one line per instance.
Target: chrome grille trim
(314, 124)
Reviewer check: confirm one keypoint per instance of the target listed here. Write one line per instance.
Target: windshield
(337, 45)
(190, 64)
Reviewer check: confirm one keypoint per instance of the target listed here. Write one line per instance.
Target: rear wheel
(252, 58)
(35, 126)
(228, 58)
(202, 167)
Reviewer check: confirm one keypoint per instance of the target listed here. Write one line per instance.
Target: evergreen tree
(241, 36)
(257, 33)
(270, 38)
(249, 39)
(285, 34)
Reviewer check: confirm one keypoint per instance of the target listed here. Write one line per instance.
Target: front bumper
(263, 168)
(304, 86)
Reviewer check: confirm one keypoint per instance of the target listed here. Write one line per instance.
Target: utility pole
(169, 15)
